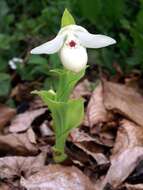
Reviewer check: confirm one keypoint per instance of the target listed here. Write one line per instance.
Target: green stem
(59, 147)
(67, 114)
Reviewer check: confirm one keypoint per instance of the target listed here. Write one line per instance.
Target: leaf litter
(96, 114)
(108, 146)
(23, 121)
(58, 177)
(15, 166)
(6, 114)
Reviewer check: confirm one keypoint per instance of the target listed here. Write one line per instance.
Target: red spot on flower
(72, 43)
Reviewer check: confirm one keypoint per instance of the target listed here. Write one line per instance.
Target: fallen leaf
(134, 187)
(36, 103)
(82, 89)
(23, 121)
(126, 153)
(4, 187)
(136, 175)
(105, 133)
(45, 129)
(89, 145)
(6, 114)
(124, 100)
(96, 111)
(12, 166)
(31, 135)
(56, 177)
(17, 144)
(77, 155)
(78, 135)
(98, 156)
(133, 79)
(21, 92)
(123, 165)
(129, 135)
(106, 138)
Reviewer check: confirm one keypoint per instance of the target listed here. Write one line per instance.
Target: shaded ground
(105, 152)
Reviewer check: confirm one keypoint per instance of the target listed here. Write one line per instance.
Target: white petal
(74, 59)
(94, 40)
(50, 47)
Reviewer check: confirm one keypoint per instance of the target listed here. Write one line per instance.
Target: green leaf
(66, 116)
(3, 64)
(67, 19)
(45, 95)
(55, 61)
(94, 9)
(37, 60)
(5, 41)
(3, 9)
(4, 84)
(67, 81)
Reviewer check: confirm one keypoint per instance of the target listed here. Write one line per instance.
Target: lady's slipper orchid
(71, 43)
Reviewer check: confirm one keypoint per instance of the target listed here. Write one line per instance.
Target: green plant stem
(67, 114)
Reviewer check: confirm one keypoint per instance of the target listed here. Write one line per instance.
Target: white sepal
(89, 40)
(50, 47)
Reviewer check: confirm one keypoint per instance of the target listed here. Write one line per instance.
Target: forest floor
(105, 152)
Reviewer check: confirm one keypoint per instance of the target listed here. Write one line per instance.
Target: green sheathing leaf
(66, 116)
(67, 19)
(67, 81)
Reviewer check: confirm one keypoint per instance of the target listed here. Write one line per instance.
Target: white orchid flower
(71, 43)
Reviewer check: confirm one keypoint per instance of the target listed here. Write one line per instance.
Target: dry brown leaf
(4, 187)
(6, 114)
(124, 100)
(89, 145)
(106, 138)
(22, 91)
(123, 165)
(98, 156)
(12, 166)
(129, 135)
(45, 129)
(17, 144)
(31, 135)
(96, 111)
(126, 153)
(78, 135)
(133, 79)
(23, 121)
(56, 177)
(82, 89)
(36, 103)
(134, 187)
